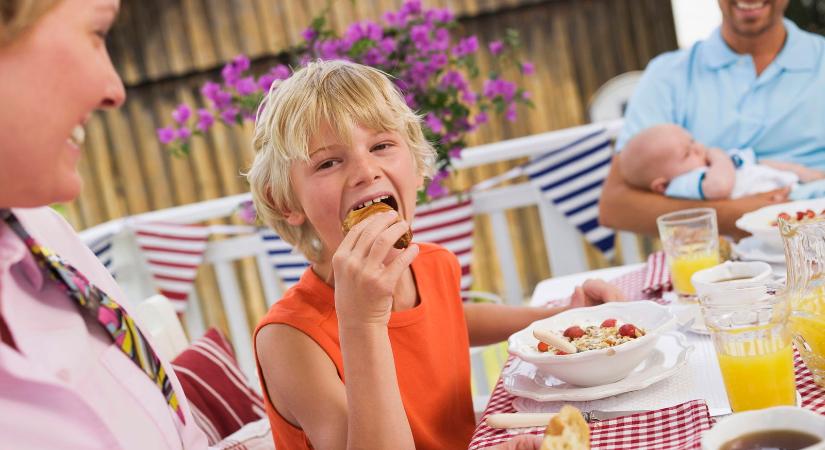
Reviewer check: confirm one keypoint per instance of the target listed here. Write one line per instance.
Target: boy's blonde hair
(342, 95)
(18, 15)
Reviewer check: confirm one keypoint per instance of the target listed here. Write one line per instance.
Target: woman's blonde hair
(18, 15)
(338, 93)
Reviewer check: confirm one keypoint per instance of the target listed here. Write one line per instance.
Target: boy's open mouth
(387, 199)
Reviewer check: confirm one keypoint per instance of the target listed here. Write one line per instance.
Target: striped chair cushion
(448, 221)
(221, 400)
(571, 177)
(289, 263)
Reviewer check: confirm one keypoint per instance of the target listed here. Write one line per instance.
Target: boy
(370, 348)
(667, 160)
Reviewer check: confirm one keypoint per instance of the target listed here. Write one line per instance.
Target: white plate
(759, 222)
(753, 249)
(671, 353)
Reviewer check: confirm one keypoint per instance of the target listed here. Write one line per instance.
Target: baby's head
(326, 139)
(656, 155)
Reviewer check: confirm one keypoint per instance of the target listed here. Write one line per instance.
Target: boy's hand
(594, 292)
(367, 269)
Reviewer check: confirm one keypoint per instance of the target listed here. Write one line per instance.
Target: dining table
(668, 414)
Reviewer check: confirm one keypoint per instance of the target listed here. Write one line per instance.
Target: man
(758, 81)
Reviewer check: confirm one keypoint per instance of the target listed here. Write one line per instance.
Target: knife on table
(522, 420)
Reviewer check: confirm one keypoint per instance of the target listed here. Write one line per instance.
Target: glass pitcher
(805, 257)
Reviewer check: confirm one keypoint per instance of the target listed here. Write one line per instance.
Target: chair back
(610, 100)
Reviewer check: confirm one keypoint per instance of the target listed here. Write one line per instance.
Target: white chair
(609, 103)
(159, 320)
(610, 100)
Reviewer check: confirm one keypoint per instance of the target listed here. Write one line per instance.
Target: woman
(64, 381)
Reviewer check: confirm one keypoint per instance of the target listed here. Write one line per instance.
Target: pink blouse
(67, 386)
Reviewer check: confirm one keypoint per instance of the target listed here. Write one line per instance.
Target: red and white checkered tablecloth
(678, 427)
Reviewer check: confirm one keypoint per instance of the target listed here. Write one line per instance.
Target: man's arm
(626, 208)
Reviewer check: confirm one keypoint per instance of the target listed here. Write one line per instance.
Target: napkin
(657, 278)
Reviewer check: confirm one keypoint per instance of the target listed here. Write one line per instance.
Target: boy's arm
(489, 323)
(720, 176)
(303, 384)
(624, 207)
(805, 174)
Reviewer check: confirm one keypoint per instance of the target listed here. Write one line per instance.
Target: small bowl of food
(786, 427)
(763, 223)
(593, 346)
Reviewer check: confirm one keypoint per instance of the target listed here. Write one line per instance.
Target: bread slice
(567, 430)
(360, 214)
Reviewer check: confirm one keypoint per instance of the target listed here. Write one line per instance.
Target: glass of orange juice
(691, 242)
(750, 332)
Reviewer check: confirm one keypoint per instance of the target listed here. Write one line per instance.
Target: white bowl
(760, 222)
(737, 273)
(776, 418)
(595, 367)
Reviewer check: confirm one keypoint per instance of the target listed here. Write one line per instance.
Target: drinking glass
(691, 242)
(750, 332)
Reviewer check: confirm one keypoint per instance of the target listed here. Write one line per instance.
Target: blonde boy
(390, 322)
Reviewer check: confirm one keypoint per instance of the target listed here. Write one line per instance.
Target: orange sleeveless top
(430, 346)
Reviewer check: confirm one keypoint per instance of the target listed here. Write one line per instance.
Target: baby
(667, 160)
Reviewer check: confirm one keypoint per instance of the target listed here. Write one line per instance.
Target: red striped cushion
(221, 400)
(448, 222)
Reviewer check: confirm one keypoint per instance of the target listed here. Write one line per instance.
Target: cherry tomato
(609, 323)
(543, 347)
(574, 332)
(628, 330)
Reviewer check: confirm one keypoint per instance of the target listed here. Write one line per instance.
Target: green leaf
(319, 21)
(361, 46)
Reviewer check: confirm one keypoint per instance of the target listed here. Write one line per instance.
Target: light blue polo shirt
(714, 94)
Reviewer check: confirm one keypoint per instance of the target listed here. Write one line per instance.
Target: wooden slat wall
(165, 49)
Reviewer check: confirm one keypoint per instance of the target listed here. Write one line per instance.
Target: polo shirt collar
(798, 50)
(795, 54)
(13, 252)
(716, 53)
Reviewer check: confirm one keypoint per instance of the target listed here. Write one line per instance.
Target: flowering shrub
(413, 45)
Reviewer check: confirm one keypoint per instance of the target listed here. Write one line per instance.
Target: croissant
(360, 214)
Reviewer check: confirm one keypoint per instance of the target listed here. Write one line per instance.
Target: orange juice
(684, 266)
(808, 320)
(755, 381)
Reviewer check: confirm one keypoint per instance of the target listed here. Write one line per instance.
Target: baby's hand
(366, 269)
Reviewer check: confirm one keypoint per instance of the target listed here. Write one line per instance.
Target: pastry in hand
(358, 215)
(567, 430)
